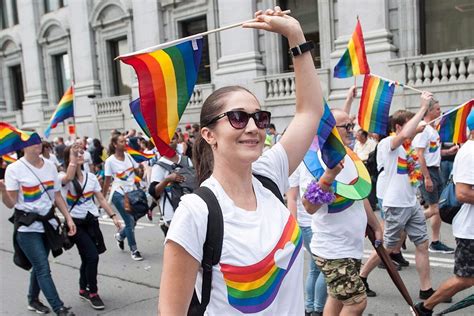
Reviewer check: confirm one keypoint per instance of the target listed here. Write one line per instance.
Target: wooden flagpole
(447, 113)
(188, 38)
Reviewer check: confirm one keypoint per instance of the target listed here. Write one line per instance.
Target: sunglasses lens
(262, 119)
(238, 119)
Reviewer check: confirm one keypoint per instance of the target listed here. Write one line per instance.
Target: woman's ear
(208, 135)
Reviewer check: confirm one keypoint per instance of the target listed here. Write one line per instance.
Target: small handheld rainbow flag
(375, 104)
(8, 159)
(139, 156)
(452, 127)
(166, 79)
(354, 61)
(64, 110)
(13, 139)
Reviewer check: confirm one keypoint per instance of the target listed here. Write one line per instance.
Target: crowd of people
(260, 257)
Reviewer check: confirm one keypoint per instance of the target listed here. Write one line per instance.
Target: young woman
(79, 187)
(260, 235)
(32, 186)
(122, 168)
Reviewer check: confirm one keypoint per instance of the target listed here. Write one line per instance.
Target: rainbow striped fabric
(329, 140)
(71, 198)
(8, 159)
(13, 139)
(354, 61)
(31, 194)
(138, 116)
(340, 204)
(64, 110)
(251, 289)
(375, 104)
(452, 127)
(402, 166)
(139, 156)
(166, 79)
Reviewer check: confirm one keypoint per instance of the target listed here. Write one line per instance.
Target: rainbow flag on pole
(354, 60)
(452, 127)
(166, 79)
(64, 110)
(139, 156)
(8, 159)
(375, 104)
(13, 139)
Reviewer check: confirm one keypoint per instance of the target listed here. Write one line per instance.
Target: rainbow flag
(166, 79)
(138, 116)
(13, 139)
(64, 110)
(8, 159)
(354, 60)
(452, 127)
(375, 104)
(139, 156)
(329, 140)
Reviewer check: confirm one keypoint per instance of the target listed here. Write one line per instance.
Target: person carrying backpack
(259, 268)
(170, 179)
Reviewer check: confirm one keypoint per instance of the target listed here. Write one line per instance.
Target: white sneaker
(136, 255)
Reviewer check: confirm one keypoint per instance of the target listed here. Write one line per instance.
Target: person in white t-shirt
(401, 207)
(46, 153)
(315, 285)
(78, 188)
(88, 164)
(364, 145)
(32, 187)
(262, 241)
(337, 245)
(428, 148)
(121, 167)
(463, 228)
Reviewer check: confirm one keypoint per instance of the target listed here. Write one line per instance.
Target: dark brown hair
(113, 142)
(400, 117)
(203, 159)
(67, 153)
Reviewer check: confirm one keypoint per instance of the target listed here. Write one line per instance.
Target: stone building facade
(45, 44)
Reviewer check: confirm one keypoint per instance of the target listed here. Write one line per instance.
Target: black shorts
(464, 258)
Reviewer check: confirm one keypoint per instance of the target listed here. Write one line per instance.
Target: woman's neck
(79, 172)
(46, 155)
(34, 160)
(120, 155)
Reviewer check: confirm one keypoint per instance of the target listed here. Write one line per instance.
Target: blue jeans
(35, 247)
(129, 230)
(315, 288)
(445, 170)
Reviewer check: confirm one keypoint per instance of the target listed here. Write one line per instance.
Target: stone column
(32, 70)
(240, 61)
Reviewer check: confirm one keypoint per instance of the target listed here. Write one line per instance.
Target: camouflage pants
(464, 258)
(342, 279)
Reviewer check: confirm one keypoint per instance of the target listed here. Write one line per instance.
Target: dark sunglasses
(348, 126)
(240, 119)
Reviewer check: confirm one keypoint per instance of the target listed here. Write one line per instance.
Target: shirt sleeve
(108, 168)
(157, 174)
(189, 225)
(95, 183)
(11, 181)
(294, 179)
(57, 182)
(134, 163)
(463, 171)
(274, 165)
(421, 140)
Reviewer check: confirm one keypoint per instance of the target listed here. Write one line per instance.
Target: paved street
(128, 287)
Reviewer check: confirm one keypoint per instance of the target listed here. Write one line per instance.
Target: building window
(121, 78)
(3, 14)
(306, 12)
(196, 26)
(63, 74)
(53, 5)
(444, 25)
(15, 12)
(17, 87)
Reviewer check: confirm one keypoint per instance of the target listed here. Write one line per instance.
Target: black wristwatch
(302, 48)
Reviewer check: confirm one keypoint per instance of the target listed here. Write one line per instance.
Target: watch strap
(302, 48)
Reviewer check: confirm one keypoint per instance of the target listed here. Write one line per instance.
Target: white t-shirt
(463, 172)
(87, 161)
(158, 174)
(363, 150)
(53, 159)
(430, 141)
(382, 178)
(303, 217)
(398, 190)
(85, 203)
(261, 249)
(122, 172)
(31, 194)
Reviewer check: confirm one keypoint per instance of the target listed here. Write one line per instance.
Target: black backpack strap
(270, 185)
(212, 248)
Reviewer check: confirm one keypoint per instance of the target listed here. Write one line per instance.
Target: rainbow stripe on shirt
(433, 147)
(32, 194)
(71, 198)
(124, 174)
(402, 166)
(340, 204)
(251, 289)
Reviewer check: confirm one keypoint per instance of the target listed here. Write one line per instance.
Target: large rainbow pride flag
(138, 116)
(166, 79)
(354, 61)
(375, 104)
(452, 127)
(64, 110)
(13, 139)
